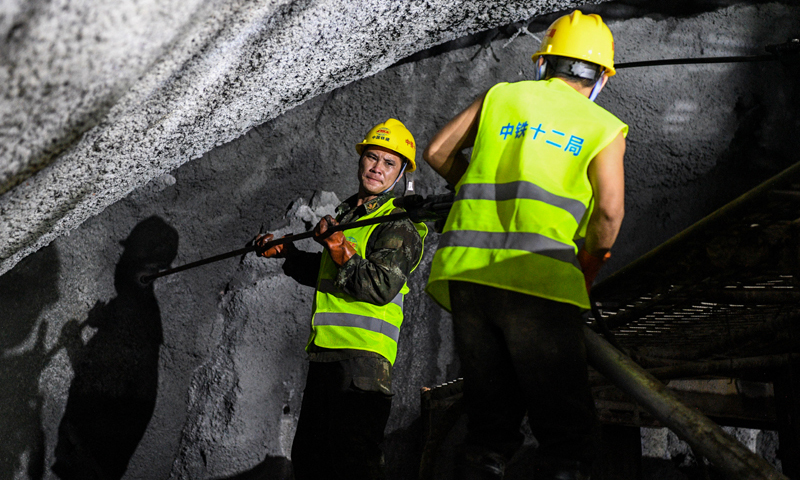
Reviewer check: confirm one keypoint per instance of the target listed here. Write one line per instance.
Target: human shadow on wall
(113, 394)
(25, 291)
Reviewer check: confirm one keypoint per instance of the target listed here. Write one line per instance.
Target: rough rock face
(244, 372)
(101, 99)
(230, 369)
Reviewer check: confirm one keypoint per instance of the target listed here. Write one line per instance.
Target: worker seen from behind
(360, 280)
(545, 176)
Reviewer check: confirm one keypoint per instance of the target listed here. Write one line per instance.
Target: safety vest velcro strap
(326, 285)
(521, 189)
(531, 242)
(338, 319)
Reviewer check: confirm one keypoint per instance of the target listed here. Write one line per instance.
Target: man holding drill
(360, 281)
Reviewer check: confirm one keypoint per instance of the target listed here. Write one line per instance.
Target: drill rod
(417, 208)
(278, 241)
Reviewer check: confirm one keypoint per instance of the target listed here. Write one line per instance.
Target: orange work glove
(340, 249)
(277, 251)
(591, 266)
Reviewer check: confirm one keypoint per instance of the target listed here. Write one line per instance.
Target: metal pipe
(704, 436)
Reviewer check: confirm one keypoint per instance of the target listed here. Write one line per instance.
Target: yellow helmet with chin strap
(582, 37)
(392, 134)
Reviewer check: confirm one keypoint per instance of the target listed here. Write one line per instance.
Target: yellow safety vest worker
(341, 321)
(525, 197)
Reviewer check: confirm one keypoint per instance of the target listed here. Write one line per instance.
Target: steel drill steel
(419, 209)
(272, 243)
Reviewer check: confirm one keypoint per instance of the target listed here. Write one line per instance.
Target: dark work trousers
(340, 427)
(523, 353)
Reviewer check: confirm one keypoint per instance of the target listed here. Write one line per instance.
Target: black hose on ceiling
(775, 52)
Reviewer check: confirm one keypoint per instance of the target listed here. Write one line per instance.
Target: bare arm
(443, 153)
(607, 176)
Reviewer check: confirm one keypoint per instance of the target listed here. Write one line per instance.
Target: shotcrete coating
(120, 119)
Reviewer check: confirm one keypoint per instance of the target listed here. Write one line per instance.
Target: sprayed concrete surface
(99, 100)
(215, 383)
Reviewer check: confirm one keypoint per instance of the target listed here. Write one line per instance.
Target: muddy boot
(479, 465)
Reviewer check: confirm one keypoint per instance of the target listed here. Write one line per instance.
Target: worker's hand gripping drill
(276, 251)
(340, 249)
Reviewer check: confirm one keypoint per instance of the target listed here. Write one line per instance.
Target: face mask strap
(403, 169)
(540, 70)
(597, 86)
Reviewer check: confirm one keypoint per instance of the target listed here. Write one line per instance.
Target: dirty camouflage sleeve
(392, 252)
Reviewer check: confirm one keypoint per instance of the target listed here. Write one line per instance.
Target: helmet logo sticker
(409, 143)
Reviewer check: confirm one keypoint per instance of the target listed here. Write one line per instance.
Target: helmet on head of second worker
(582, 37)
(392, 134)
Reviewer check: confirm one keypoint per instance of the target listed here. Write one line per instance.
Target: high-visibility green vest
(341, 321)
(525, 198)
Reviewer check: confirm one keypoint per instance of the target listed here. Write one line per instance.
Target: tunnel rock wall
(224, 396)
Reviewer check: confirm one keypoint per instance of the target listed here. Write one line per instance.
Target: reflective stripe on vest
(359, 321)
(520, 189)
(525, 197)
(341, 321)
(530, 242)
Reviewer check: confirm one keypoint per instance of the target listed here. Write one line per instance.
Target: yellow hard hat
(392, 134)
(579, 36)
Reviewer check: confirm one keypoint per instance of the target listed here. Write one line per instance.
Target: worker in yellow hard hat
(360, 279)
(545, 176)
